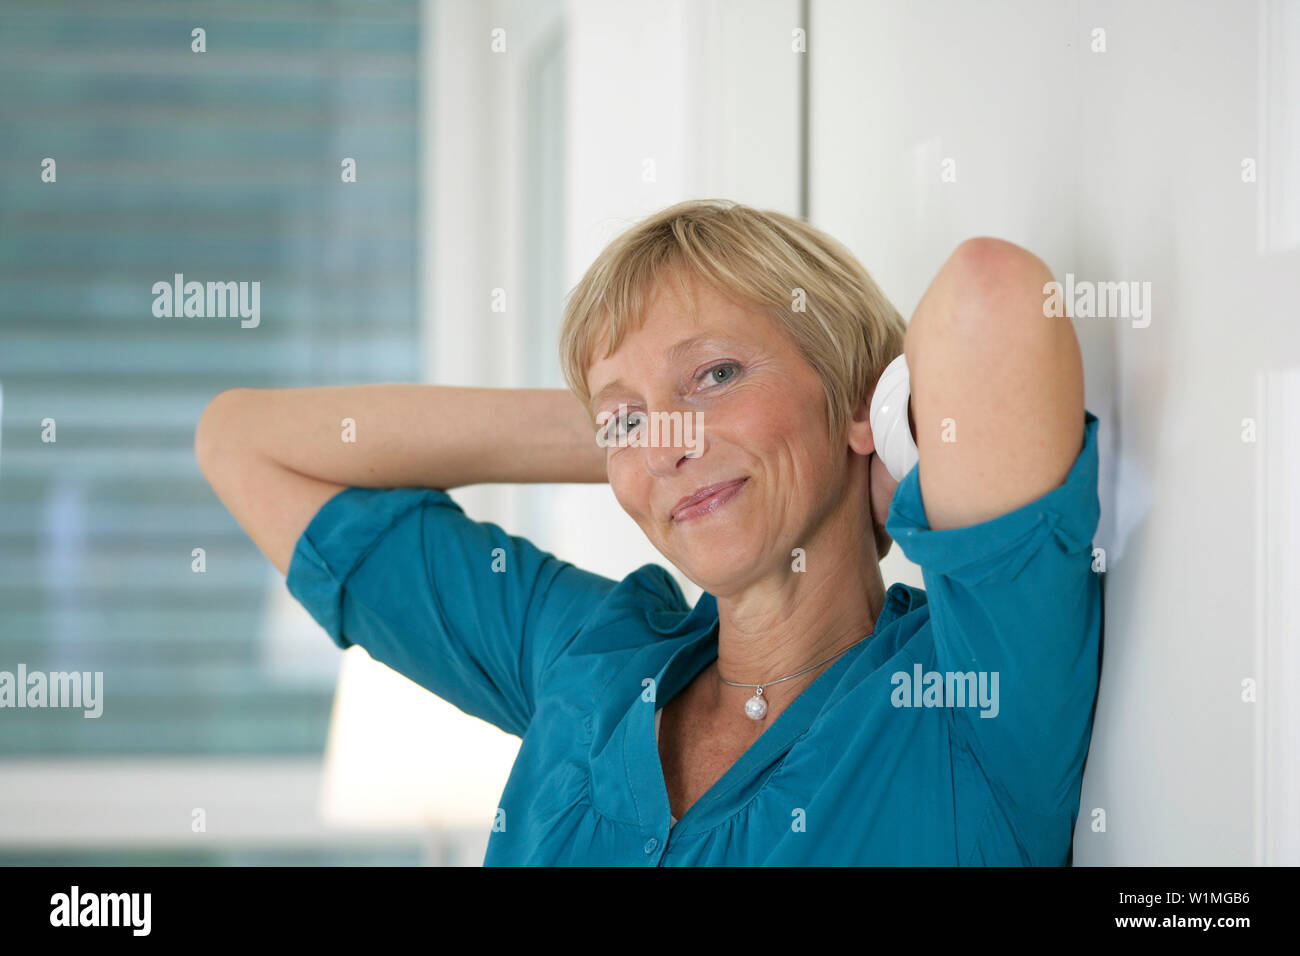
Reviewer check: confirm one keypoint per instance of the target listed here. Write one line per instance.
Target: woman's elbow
(216, 426)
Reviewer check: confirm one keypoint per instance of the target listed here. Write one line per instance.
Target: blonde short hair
(845, 327)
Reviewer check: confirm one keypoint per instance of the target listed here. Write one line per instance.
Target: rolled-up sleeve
(1017, 596)
(462, 608)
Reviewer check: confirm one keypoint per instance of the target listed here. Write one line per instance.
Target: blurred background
(497, 146)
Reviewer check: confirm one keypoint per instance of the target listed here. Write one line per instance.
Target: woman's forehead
(674, 320)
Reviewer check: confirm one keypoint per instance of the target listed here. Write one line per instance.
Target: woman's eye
(712, 373)
(619, 424)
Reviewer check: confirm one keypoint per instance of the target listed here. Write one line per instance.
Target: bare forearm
(432, 436)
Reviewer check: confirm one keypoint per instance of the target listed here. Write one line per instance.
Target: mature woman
(799, 713)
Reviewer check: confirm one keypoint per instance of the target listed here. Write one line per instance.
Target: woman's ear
(860, 436)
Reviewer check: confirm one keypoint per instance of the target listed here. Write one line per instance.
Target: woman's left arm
(996, 386)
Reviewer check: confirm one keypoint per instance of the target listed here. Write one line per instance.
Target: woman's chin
(718, 572)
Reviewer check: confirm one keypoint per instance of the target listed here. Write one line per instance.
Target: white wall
(1124, 165)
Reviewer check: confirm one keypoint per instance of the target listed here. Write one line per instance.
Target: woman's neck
(780, 628)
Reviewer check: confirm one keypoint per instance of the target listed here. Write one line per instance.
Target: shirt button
(650, 845)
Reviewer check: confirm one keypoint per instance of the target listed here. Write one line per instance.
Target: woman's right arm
(275, 456)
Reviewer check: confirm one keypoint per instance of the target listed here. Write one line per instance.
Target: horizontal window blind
(221, 166)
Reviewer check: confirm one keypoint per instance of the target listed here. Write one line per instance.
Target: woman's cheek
(624, 491)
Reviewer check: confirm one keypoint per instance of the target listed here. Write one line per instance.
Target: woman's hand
(882, 493)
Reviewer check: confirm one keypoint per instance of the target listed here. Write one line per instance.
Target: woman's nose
(673, 435)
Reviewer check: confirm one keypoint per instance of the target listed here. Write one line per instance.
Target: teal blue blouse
(876, 762)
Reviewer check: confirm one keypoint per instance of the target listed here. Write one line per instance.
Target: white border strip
(1277, 619)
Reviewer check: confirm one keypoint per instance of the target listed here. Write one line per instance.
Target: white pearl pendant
(756, 706)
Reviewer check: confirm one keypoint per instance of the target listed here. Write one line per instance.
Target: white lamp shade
(399, 757)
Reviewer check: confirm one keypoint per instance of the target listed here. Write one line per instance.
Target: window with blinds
(225, 165)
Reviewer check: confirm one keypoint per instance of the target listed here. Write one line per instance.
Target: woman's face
(762, 416)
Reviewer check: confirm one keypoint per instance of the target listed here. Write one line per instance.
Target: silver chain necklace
(756, 706)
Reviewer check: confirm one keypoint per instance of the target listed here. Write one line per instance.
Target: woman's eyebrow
(676, 351)
(672, 353)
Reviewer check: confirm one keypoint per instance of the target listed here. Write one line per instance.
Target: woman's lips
(706, 506)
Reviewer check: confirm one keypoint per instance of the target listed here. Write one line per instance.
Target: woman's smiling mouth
(707, 500)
